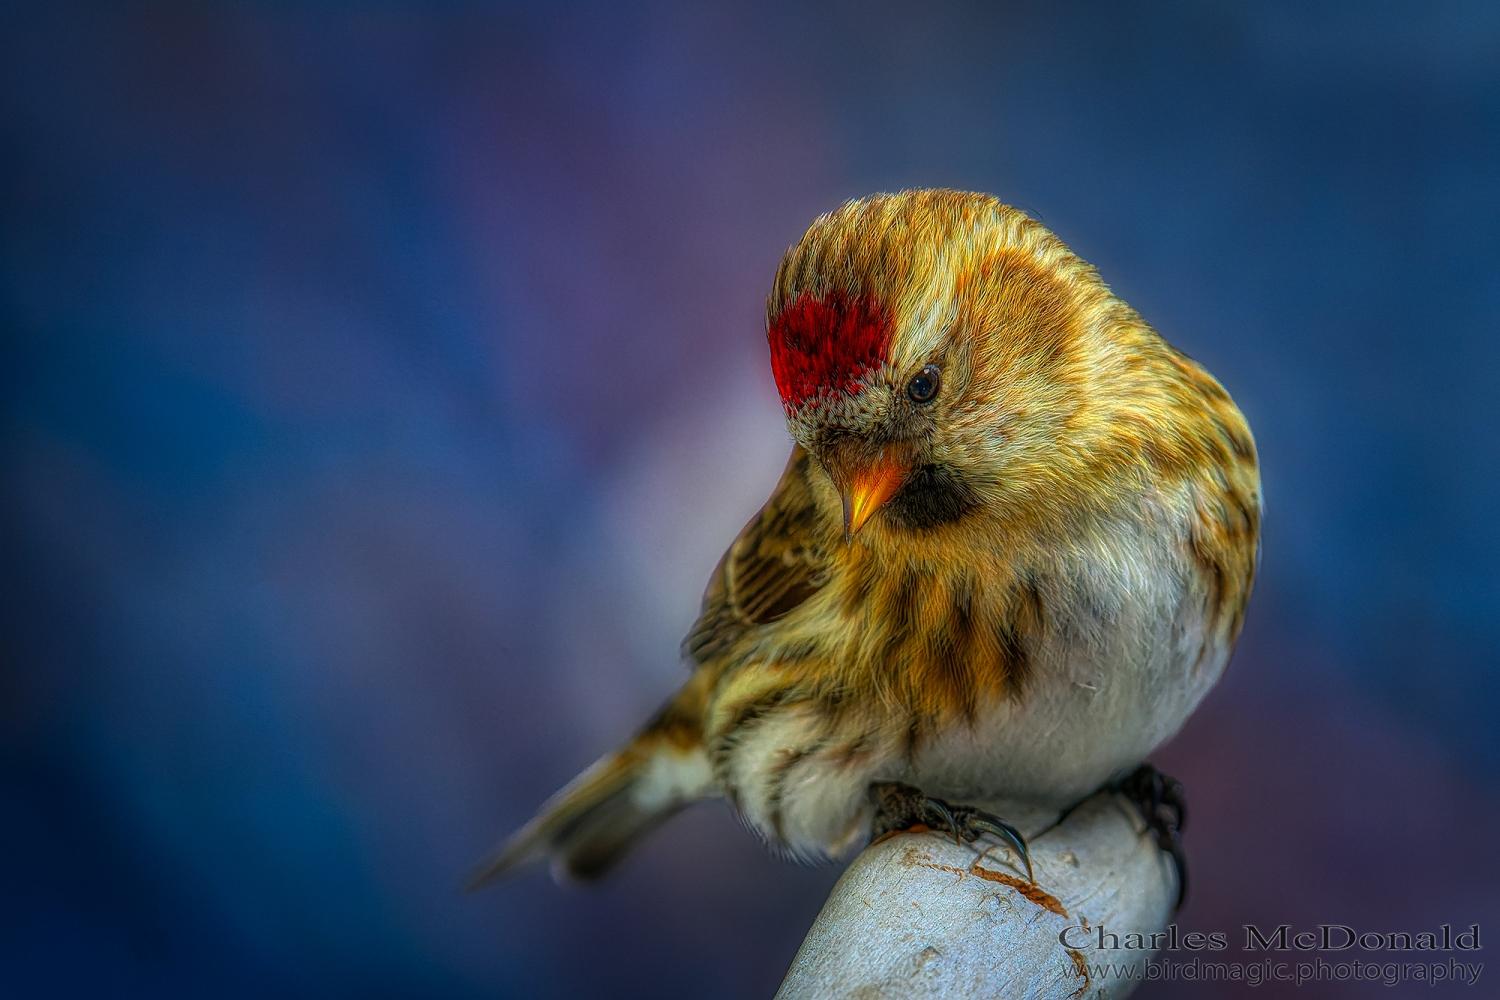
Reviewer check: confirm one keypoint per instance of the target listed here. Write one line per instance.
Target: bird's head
(940, 353)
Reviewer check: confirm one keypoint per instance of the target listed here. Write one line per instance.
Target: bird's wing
(778, 561)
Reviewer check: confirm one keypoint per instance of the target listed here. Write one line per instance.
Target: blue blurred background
(381, 383)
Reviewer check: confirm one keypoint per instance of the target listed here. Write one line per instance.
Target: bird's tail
(588, 826)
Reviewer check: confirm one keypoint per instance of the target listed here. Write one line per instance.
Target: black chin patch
(931, 496)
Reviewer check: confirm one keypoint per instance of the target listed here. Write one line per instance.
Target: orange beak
(868, 488)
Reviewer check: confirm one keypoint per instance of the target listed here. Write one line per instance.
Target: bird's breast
(945, 632)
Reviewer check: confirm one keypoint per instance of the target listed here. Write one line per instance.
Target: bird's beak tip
(867, 492)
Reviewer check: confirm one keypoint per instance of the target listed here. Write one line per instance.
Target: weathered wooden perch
(917, 915)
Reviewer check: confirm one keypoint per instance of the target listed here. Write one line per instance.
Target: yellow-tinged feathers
(1066, 413)
(1015, 587)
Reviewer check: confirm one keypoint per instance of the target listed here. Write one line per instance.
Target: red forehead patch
(826, 345)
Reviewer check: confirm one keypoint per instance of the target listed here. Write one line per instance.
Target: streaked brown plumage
(1008, 592)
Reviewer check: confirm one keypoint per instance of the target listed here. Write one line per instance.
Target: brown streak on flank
(679, 722)
(836, 707)
(1248, 520)
(1026, 620)
(1213, 572)
(912, 737)
(963, 673)
(751, 711)
(1244, 449)
(788, 760)
(854, 750)
(1222, 543)
(955, 643)
(898, 664)
(1172, 458)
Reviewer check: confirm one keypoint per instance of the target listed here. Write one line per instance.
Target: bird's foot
(900, 807)
(1159, 798)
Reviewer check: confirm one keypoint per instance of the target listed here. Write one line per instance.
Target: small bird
(1008, 556)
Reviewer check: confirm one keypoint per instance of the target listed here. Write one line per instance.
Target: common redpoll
(1009, 555)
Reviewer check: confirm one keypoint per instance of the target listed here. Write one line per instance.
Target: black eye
(923, 387)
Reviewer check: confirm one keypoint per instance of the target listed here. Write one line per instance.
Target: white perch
(918, 916)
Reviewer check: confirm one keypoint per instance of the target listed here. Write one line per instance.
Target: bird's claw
(941, 808)
(985, 823)
(1160, 800)
(901, 807)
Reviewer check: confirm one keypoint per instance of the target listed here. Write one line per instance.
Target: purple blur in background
(382, 382)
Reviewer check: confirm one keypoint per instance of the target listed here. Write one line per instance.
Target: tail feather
(588, 826)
